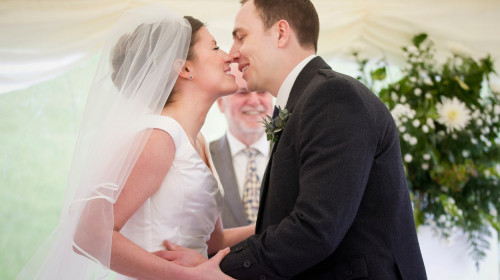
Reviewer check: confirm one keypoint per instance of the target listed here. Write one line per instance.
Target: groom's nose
(234, 52)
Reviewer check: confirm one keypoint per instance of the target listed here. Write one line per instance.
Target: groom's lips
(243, 68)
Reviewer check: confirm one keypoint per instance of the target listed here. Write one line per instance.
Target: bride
(141, 171)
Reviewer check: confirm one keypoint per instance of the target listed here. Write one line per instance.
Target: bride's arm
(144, 180)
(222, 238)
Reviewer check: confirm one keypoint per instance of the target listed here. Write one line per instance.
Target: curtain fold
(42, 39)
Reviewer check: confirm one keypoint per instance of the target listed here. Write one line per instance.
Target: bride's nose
(227, 58)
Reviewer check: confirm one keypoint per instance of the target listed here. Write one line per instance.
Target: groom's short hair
(300, 14)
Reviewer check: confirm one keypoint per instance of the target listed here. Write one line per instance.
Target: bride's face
(210, 66)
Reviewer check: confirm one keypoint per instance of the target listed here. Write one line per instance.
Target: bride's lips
(228, 72)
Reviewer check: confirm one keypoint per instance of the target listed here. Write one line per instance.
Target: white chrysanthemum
(417, 92)
(495, 86)
(425, 166)
(413, 141)
(416, 123)
(453, 114)
(408, 158)
(465, 153)
(476, 114)
(412, 50)
(428, 95)
(426, 157)
(497, 110)
(442, 219)
(488, 119)
(425, 128)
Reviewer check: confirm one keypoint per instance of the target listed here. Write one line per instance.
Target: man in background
(240, 156)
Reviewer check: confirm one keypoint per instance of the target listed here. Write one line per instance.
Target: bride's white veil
(136, 73)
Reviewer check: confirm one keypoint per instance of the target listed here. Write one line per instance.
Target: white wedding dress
(185, 208)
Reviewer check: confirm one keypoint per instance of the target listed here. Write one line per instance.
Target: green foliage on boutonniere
(275, 126)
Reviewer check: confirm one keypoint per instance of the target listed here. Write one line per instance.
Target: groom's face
(253, 48)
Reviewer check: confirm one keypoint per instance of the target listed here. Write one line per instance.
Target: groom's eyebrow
(235, 31)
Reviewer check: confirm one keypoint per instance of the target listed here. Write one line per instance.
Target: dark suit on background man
(334, 202)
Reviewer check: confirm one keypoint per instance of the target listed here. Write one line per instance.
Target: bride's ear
(182, 67)
(184, 71)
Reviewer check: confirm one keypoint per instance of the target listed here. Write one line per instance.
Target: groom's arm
(335, 148)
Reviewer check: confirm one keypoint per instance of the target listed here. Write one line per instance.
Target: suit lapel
(222, 158)
(303, 80)
(299, 86)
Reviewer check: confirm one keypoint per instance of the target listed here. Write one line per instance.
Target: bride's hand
(181, 255)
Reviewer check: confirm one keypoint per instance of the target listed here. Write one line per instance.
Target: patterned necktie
(251, 189)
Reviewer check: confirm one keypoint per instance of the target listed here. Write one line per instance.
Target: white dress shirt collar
(235, 145)
(286, 86)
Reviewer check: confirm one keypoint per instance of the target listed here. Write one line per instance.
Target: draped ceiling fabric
(41, 39)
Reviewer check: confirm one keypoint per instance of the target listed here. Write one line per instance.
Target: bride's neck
(190, 113)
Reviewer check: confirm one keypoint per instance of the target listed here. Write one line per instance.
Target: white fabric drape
(43, 39)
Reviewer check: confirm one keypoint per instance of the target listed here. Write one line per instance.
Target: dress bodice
(185, 208)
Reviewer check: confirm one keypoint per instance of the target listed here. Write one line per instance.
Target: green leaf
(379, 74)
(461, 83)
(418, 39)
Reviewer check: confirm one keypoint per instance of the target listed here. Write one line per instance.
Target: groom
(334, 202)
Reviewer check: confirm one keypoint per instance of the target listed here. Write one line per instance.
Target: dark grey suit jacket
(233, 213)
(334, 201)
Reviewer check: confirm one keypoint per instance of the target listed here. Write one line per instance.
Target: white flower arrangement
(448, 119)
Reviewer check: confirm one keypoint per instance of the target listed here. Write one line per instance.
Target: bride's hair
(127, 45)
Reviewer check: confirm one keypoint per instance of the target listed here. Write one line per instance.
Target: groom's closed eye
(238, 35)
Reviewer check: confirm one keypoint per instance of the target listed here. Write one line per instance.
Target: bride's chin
(230, 90)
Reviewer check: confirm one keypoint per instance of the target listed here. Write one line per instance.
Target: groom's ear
(283, 31)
